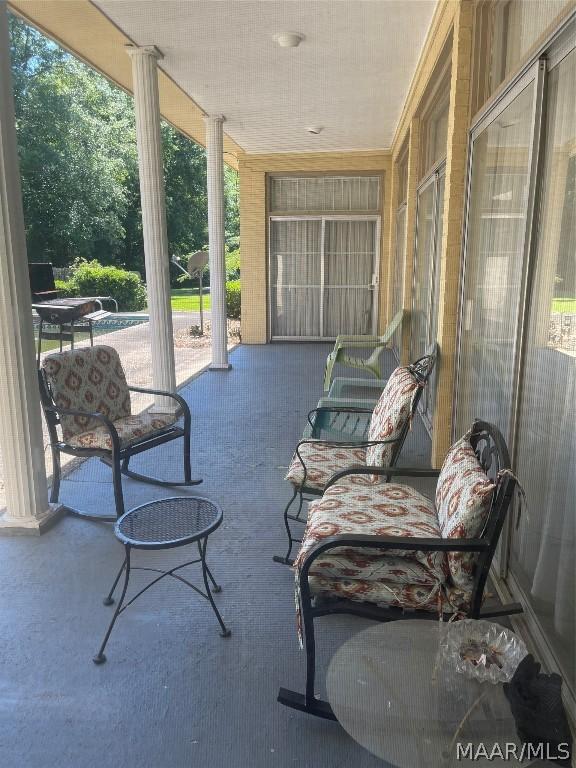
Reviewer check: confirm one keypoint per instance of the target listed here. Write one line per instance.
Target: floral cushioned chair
(85, 394)
(379, 550)
(315, 461)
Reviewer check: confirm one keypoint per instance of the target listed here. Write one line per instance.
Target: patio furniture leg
(56, 473)
(109, 599)
(100, 657)
(286, 560)
(202, 545)
(188, 481)
(117, 482)
(307, 703)
(40, 327)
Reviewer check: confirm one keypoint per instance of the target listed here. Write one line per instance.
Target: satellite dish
(196, 262)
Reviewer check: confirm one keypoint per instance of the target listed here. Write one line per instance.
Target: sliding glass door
(517, 349)
(494, 261)
(543, 548)
(323, 276)
(295, 277)
(425, 295)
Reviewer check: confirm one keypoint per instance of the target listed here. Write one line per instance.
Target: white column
(151, 172)
(215, 183)
(21, 440)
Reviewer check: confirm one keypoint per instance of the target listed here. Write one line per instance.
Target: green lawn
(563, 305)
(188, 299)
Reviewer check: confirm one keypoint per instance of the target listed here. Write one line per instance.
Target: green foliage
(233, 299)
(79, 168)
(93, 279)
(66, 288)
(233, 265)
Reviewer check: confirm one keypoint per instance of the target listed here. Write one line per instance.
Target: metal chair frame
(493, 455)
(119, 456)
(422, 370)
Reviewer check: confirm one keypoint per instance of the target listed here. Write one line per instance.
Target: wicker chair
(86, 404)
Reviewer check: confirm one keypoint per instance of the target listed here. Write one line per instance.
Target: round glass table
(393, 694)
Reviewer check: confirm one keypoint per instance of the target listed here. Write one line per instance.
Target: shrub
(66, 288)
(233, 265)
(90, 278)
(233, 299)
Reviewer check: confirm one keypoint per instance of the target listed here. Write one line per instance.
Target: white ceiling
(349, 76)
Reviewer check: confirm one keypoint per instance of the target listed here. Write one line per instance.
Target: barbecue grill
(68, 315)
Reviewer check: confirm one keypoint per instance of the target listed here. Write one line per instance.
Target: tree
(79, 168)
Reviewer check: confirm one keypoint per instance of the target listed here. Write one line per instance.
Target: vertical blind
(322, 285)
(349, 256)
(324, 193)
(295, 277)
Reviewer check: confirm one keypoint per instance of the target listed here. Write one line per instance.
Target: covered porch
(173, 692)
(460, 174)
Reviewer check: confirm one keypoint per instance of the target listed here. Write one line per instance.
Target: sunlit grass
(188, 300)
(563, 305)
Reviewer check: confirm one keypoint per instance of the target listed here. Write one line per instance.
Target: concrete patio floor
(173, 693)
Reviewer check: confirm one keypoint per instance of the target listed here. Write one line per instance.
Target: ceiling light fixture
(314, 129)
(288, 39)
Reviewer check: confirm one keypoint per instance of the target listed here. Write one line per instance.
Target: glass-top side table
(391, 693)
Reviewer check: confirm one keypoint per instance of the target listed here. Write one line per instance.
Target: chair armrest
(179, 399)
(359, 337)
(383, 471)
(85, 414)
(336, 409)
(337, 444)
(363, 344)
(414, 544)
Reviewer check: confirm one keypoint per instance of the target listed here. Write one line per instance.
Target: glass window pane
(324, 193)
(542, 551)
(349, 265)
(494, 262)
(295, 261)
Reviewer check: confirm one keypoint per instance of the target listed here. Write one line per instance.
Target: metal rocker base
(283, 560)
(316, 707)
(152, 480)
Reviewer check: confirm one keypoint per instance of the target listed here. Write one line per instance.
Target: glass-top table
(391, 693)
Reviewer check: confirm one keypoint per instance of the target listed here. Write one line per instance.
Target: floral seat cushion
(463, 499)
(322, 461)
(89, 379)
(130, 429)
(386, 509)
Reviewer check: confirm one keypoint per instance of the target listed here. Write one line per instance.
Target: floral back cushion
(89, 379)
(391, 415)
(463, 498)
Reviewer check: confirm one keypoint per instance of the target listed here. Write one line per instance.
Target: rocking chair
(315, 461)
(84, 394)
(436, 562)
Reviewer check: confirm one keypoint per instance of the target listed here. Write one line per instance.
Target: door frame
(432, 178)
(375, 273)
